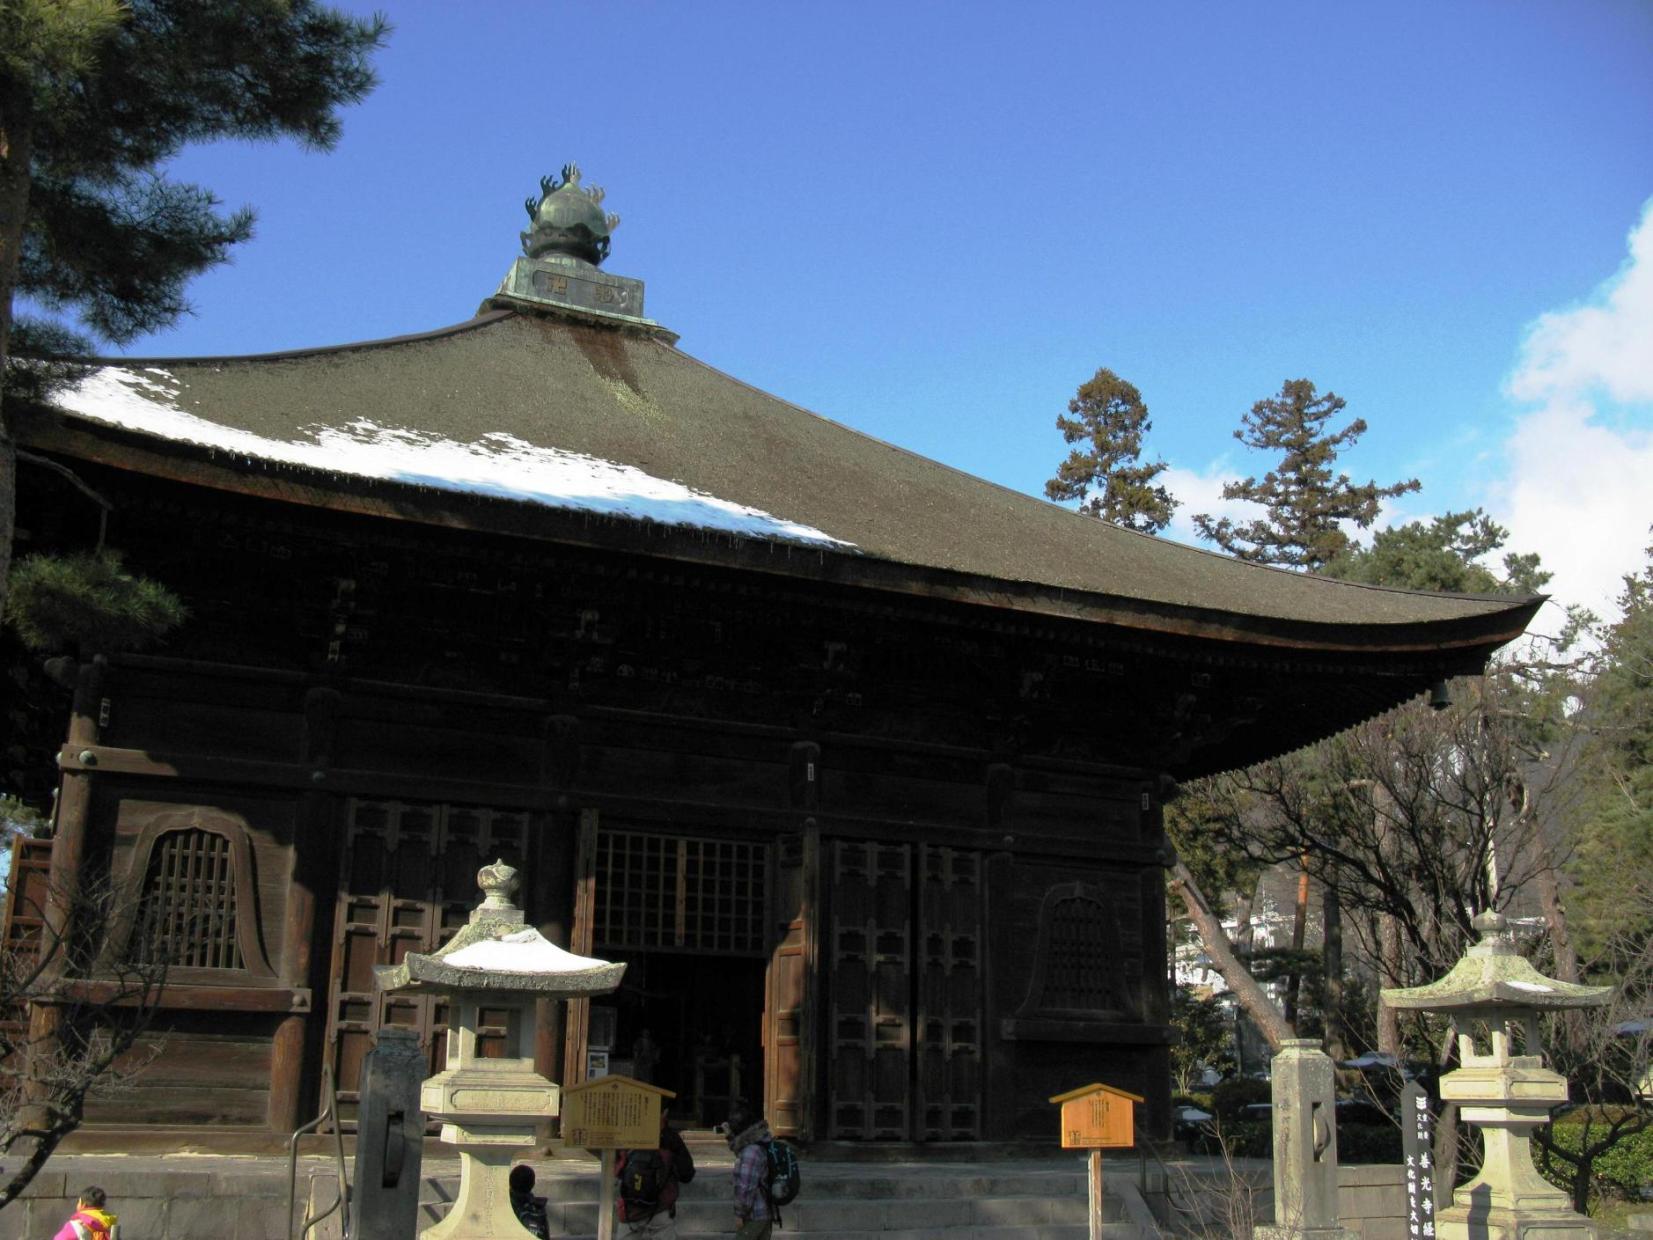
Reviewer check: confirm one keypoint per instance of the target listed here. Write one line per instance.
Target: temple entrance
(689, 915)
(689, 1024)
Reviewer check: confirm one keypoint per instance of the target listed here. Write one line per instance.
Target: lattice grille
(1079, 974)
(187, 913)
(669, 892)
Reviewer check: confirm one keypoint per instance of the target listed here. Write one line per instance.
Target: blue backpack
(784, 1176)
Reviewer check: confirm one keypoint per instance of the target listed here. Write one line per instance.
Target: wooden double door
(904, 980)
(407, 882)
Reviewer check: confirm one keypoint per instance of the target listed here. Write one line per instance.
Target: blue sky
(932, 221)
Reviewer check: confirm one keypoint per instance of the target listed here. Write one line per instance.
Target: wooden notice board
(1097, 1117)
(612, 1113)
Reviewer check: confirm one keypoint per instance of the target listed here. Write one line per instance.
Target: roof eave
(1461, 643)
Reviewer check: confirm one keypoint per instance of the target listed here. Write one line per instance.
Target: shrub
(1230, 1098)
(1625, 1170)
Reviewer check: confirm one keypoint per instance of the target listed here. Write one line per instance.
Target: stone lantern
(490, 1106)
(1495, 997)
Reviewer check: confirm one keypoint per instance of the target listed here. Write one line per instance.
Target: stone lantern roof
(1494, 974)
(496, 951)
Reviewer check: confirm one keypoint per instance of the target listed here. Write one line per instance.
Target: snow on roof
(527, 951)
(495, 464)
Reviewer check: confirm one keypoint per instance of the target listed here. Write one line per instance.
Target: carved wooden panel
(950, 989)
(871, 977)
(407, 882)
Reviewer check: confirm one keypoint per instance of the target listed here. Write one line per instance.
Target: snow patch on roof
(497, 465)
(526, 951)
(1535, 987)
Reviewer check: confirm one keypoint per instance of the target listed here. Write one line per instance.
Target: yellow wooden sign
(612, 1113)
(1097, 1117)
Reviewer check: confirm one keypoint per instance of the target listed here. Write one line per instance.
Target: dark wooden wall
(333, 662)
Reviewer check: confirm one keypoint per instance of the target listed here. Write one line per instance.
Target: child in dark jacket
(654, 1216)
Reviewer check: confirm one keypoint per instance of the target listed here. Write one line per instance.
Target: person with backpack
(749, 1139)
(649, 1180)
(92, 1220)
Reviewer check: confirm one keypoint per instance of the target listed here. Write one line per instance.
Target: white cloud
(1578, 469)
(1604, 345)
(1202, 491)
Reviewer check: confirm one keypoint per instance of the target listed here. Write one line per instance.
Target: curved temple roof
(553, 413)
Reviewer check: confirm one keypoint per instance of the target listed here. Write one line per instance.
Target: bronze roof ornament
(567, 218)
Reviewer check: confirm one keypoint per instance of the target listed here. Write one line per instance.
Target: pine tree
(1447, 553)
(1305, 502)
(1108, 417)
(95, 97)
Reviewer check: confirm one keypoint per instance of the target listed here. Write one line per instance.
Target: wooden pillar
(581, 937)
(555, 885)
(552, 887)
(1156, 995)
(312, 840)
(74, 811)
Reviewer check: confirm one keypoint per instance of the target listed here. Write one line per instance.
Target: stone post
(1305, 1146)
(390, 1135)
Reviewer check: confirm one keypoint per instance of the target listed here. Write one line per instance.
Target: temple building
(856, 760)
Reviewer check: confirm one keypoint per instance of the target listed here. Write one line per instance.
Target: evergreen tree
(1107, 417)
(1613, 865)
(1446, 554)
(1304, 501)
(95, 97)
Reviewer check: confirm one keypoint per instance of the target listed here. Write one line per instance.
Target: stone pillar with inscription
(488, 1097)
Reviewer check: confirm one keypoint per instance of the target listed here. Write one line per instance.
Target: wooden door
(872, 1001)
(906, 992)
(789, 988)
(407, 882)
(950, 994)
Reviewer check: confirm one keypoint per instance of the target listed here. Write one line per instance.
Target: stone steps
(928, 1204)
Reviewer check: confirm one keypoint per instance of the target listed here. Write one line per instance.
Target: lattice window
(186, 912)
(677, 893)
(1079, 969)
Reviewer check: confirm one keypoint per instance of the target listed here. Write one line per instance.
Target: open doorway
(691, 1024)
(688, 915)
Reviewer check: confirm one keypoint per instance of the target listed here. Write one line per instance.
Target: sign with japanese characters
(1417, 1144)
(1097, 1117)
(612, 1113)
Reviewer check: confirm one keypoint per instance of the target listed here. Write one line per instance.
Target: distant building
(858, 760)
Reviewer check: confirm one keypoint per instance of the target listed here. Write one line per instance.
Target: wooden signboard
(608, 1114)
(1097, 1117)
(612, 1113)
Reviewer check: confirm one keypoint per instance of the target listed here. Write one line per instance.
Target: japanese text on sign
(611, 1118)
(1418, 1146)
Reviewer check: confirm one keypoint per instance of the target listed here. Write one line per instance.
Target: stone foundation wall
(1372, 1200)
(153, 1199)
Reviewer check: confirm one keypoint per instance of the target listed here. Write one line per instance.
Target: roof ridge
(383, 342)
